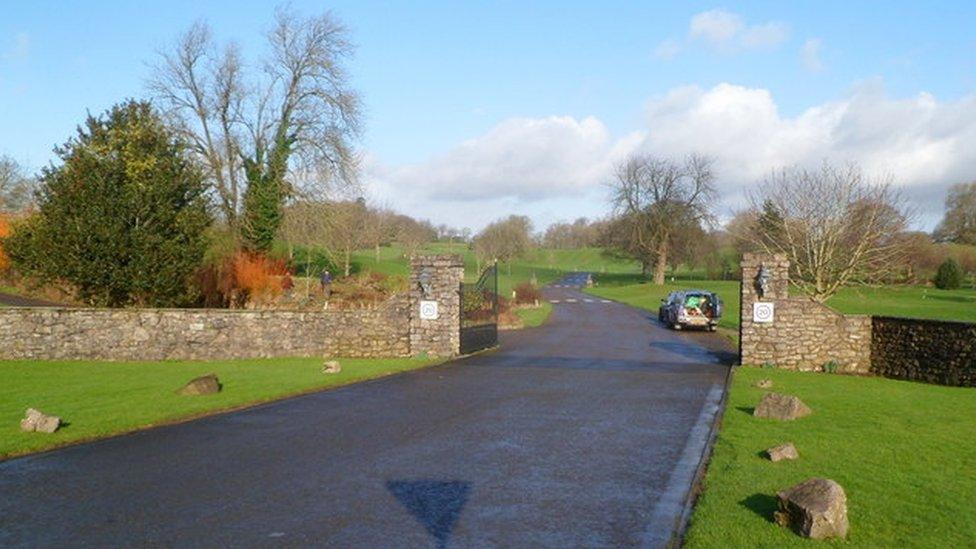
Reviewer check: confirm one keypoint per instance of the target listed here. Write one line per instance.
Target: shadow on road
(435, 504)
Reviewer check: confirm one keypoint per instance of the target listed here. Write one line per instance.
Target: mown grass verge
(904, 453)
(100, 399)
(533, 318)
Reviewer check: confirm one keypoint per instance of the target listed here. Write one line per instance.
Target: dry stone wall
(924, 350)
(804, 334)
(394, 329)
(203, 334)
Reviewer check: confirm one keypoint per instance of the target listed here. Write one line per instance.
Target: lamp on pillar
(762, 280)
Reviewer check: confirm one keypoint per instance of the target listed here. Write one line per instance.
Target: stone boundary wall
(203, 334)
(804, 335)
(393, 329)
(924, 350)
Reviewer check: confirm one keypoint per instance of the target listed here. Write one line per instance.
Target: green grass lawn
(532, 318)
(545, 266)
(904, 452)
(98, 399)
(901, 301)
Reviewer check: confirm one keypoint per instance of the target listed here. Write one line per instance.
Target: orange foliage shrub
(243, 278)
(4, 231)
(258, 275)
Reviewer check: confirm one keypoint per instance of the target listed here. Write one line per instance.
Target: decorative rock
(784, 407)
(765, 384)
(815, 508)
(331, 367)
(204, 385)
(36, 421)
(783, 451)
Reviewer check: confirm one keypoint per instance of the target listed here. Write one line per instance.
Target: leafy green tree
(265, 196)
(121, 218)
(949, 276)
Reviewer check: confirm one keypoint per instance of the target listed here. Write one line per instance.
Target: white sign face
(763, 312)
(428, 310)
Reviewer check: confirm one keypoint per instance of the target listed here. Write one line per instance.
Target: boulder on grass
(783, 407)
(331, 367)
(765, 384)
(815, 508)
(203, 385)
(37, 421)
(783, 451)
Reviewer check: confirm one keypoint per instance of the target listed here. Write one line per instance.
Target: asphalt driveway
(585, 432)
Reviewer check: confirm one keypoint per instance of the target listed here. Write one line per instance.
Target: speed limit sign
(763, 312)
(428, 310)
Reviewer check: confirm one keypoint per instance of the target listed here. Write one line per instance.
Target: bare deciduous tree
(959, 223)
(656, 200)
(378, 229)
(834, 224)
(16, 187)
(297, 113)
(504, 240)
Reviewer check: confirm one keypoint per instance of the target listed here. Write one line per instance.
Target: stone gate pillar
(435, 304)
(755, 345)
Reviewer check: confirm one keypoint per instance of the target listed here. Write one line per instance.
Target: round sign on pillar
(763, 312)
(428, 310)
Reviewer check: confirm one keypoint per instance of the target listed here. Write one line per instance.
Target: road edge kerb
(219, 412)
(697, 486)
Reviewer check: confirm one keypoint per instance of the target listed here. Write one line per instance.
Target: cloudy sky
(480, 110)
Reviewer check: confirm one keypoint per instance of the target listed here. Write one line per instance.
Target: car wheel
(713, 328)
(676, 327)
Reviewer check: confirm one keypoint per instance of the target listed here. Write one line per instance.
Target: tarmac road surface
(585, 432)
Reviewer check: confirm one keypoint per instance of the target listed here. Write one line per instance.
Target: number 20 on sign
(763, 312)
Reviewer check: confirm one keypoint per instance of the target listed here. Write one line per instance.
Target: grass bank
(904, 453)
(532, 318)
(100, 399)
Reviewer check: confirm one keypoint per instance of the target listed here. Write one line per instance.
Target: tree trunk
(661, 263)
(377, 252)
(348, 261)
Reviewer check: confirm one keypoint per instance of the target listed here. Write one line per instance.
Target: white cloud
(553, 168)
(667, 50)
(715, 26)
(766, 36)
(922, 143)
(18, 49)
(810, 55)
(524, 158)
(728, 32)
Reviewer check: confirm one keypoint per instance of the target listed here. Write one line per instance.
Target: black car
(691, 308)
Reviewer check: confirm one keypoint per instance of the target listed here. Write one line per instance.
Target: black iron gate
(479, 312)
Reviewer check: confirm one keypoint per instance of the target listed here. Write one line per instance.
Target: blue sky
(477, 110)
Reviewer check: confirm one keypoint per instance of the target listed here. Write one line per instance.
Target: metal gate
(479, 312)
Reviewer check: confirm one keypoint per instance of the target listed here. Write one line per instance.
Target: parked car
(691, 308)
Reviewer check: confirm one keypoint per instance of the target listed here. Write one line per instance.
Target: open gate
(479, 312)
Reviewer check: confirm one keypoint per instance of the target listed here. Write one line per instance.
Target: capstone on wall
(924, 350)
(804, 334)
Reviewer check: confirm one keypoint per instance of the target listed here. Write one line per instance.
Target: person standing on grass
(326, 281)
